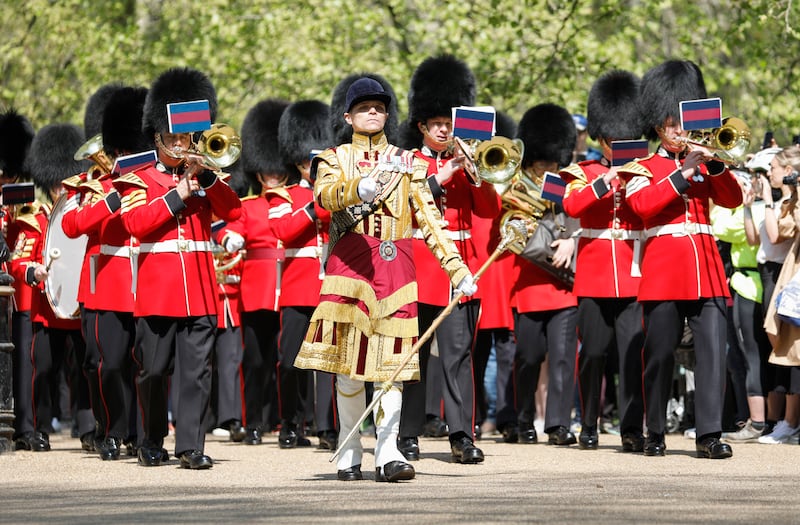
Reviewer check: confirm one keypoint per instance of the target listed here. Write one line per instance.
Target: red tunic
(678, 265)
(28, 253)
(302, 241)
(260, 267)
(109, 246)
(495, 283)
(175, 275)
(606, 247)
(20, 241)
(459, 203)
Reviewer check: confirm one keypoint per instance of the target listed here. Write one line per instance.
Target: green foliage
(55, 53)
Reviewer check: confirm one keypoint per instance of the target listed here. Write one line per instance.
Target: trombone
(729, 143)
(496, 160)
(218, 147)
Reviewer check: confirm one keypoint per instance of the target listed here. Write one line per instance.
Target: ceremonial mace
(514, 231)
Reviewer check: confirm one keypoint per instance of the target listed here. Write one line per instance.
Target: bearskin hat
(342, 131)
(260, 152)
(613, 109)
(52, 155)
(303, 127)
(175, 85)
(122, 122)
(505, 125)
(549, 134)
(16, 134)
(95, 108)
(662, 90)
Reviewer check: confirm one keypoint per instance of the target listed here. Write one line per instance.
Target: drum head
(64, 256)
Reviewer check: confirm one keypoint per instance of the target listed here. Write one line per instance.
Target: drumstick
(55, 253)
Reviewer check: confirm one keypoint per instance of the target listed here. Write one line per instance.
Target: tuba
(522, 200)
(729, 142)
(93, 150)
(496, 160)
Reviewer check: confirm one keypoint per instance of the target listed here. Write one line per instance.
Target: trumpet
(496, 160)
(93, 150)
(729, 143)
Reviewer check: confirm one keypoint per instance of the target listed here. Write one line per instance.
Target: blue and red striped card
(553, 187)
(18, 193)
(136, 161)
(473, 122)
(704, 113)
(624, 151)
(188, 117)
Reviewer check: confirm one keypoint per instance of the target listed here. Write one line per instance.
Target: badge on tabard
(387, 250)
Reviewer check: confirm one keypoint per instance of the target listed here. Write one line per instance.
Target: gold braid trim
(576, 172)
(357, 289)
(634, 168)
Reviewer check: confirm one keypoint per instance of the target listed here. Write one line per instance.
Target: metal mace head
(514, 231)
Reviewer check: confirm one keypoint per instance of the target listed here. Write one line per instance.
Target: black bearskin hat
(549, 134)
(122, 122)
(260, 153)
(662, 90)
(342, 131)
(505, 125)
(16, 134)
(613, 110)
(303, 127)
(52, 155)
(437, 85)
(95, 108)
(175, 85)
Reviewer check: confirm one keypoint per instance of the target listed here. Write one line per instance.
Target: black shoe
(195, 460)
(33, 441)
(464, 451)
(632, 442)
(87, 441)
(109, 448)
(237, 431)
(654, 445)
(288, 437)
(395, 471)
(478, 433)
(328, 440)
(151, 456)
(511, 434)
(713, 448)
(561, 436)
(435, 427)
(252, 436)
(130, 447)
(588, 440)
(350, 474)
(409, 447)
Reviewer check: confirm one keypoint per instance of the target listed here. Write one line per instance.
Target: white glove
(232, 242)
(467, 286)
(367, 188)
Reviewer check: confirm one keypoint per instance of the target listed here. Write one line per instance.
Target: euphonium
(93, 150)
(729, 143)
(522, 199)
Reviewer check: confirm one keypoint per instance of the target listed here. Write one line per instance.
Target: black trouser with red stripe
(260, 335)
(551, 334)
(48, 355)
(611, 325)
(663, 330)
(181, 345)
(111, 370)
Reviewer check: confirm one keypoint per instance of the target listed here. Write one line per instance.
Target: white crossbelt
(612, 233)
(233, 279)
(680, 229)
(115, 251)
(175, 246)
(305, 251)
(453, 235)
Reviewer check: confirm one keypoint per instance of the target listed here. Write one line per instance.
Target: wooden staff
(515, 230)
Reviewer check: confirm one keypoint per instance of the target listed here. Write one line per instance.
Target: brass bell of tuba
(522, 200)
(93, 150)
(729, 142)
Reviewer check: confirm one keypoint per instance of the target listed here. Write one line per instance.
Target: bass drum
(64, 258)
